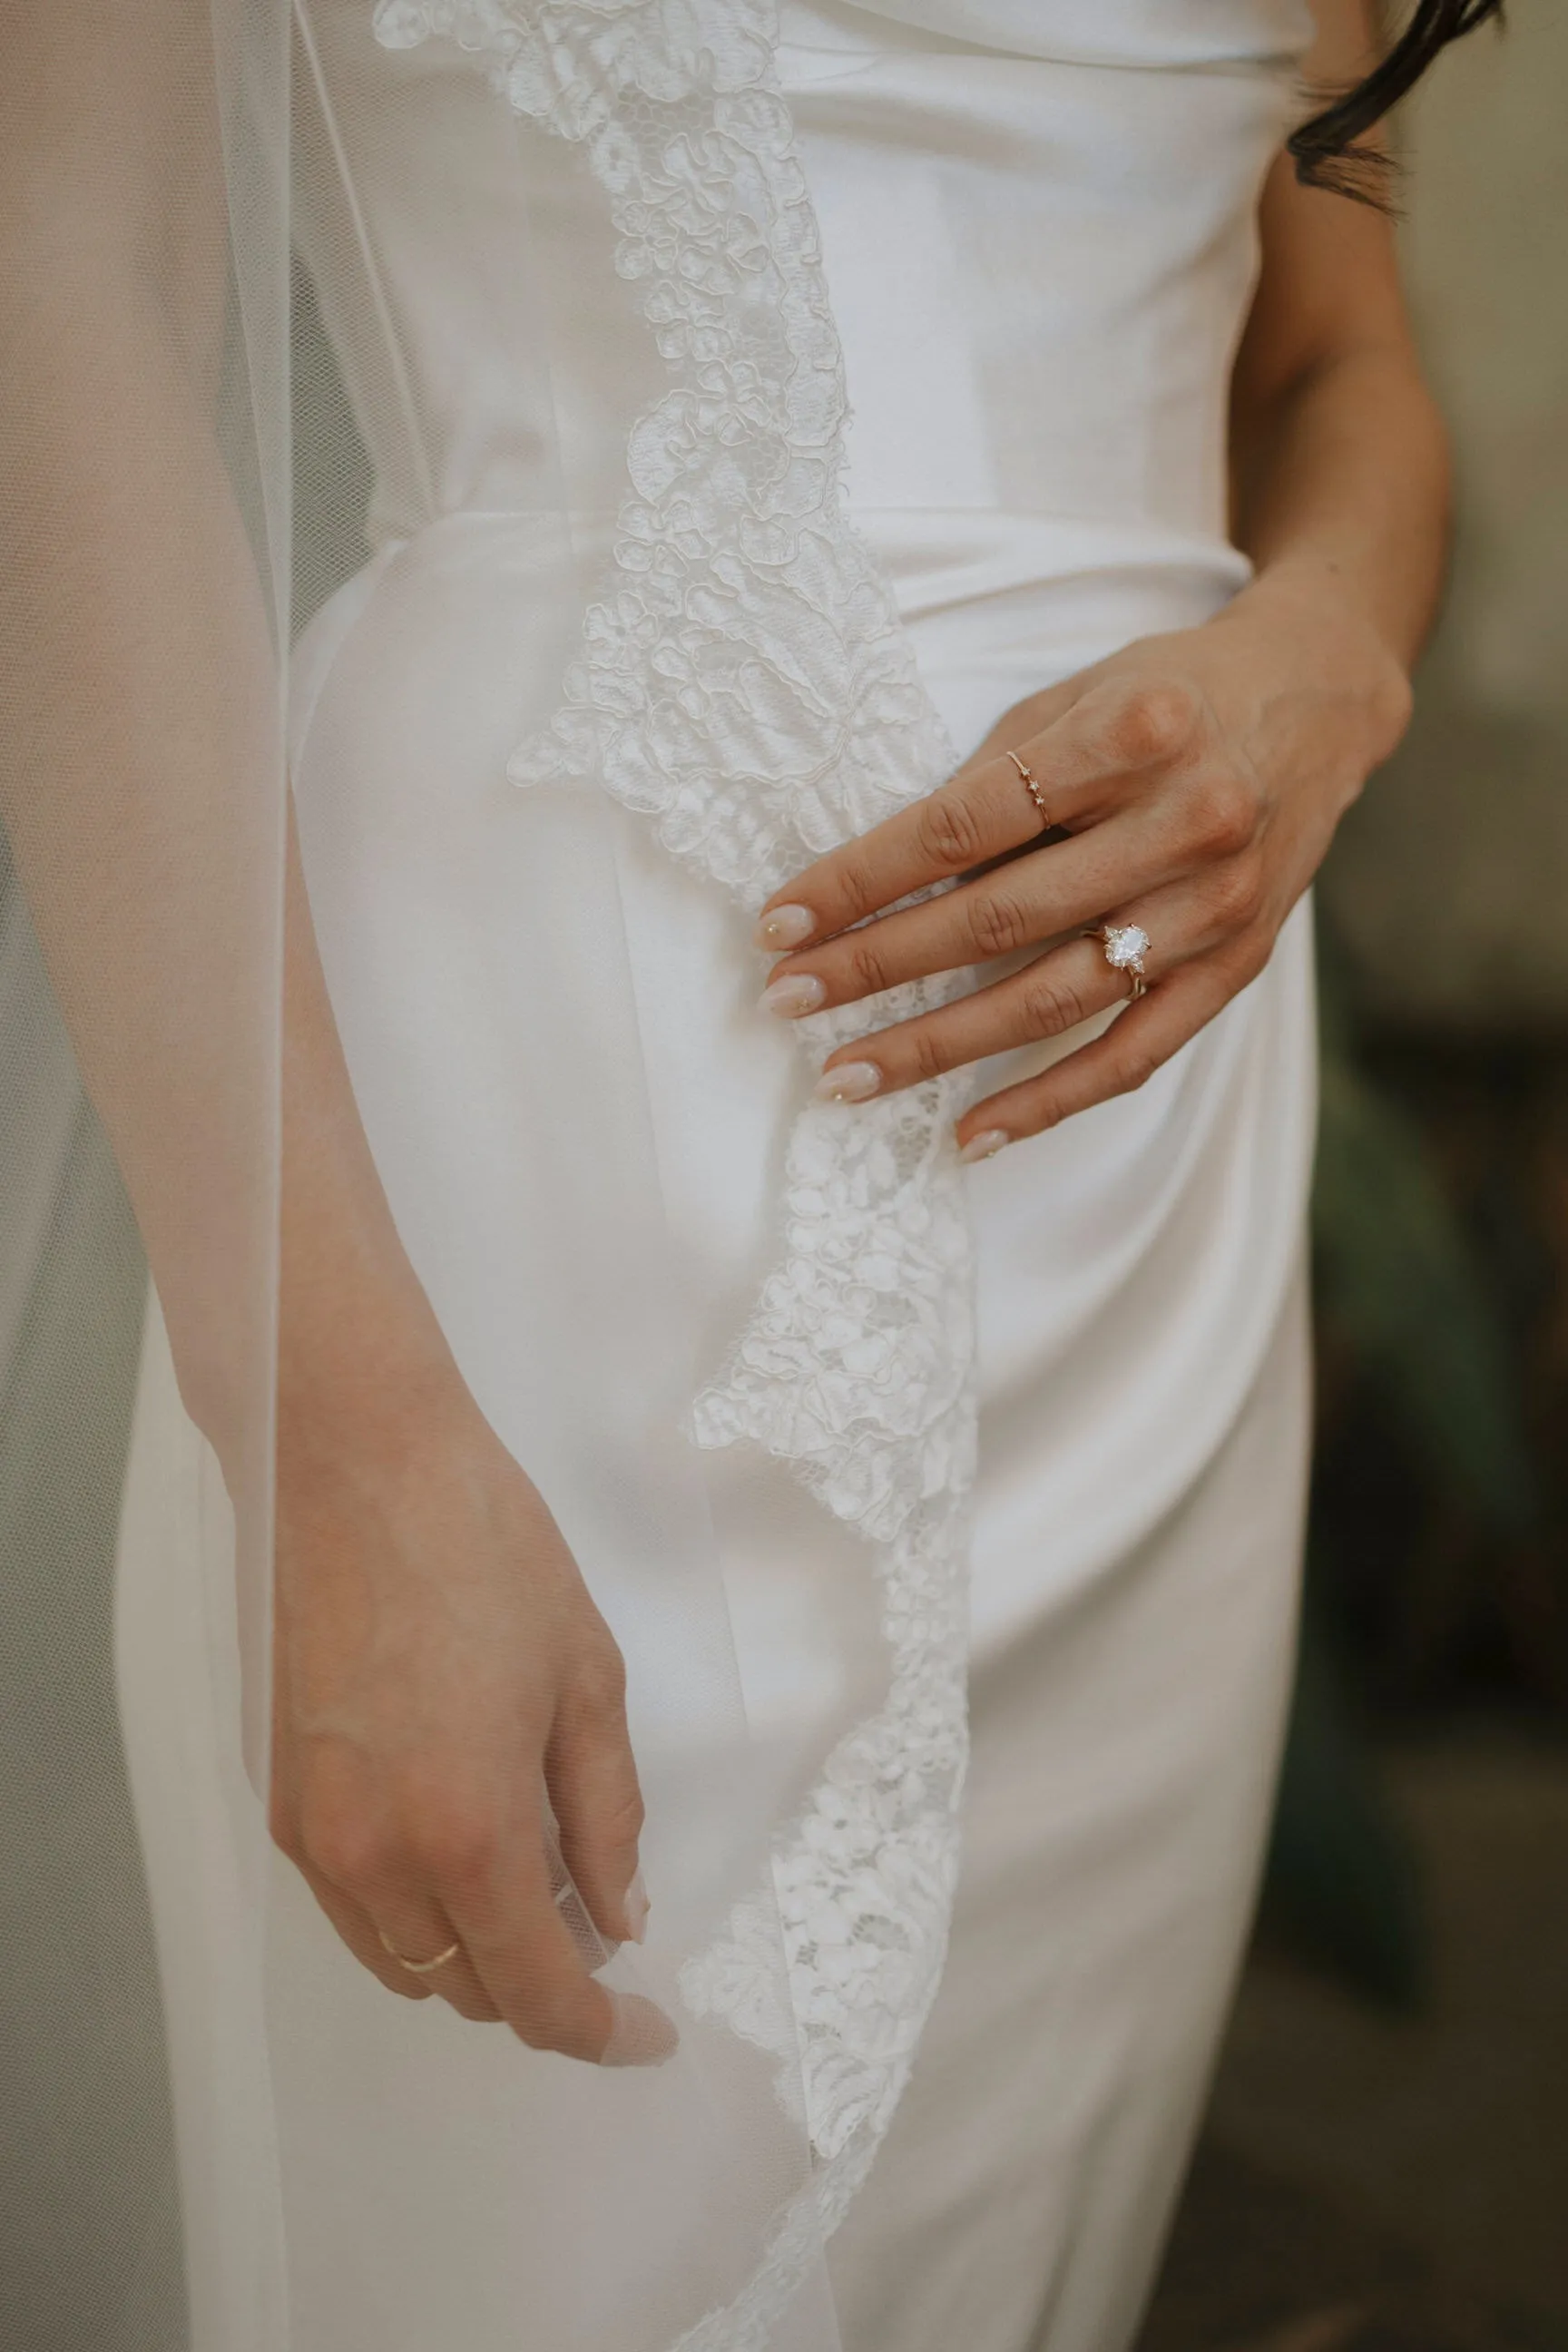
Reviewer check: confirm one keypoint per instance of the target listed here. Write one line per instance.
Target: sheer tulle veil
(205, 381)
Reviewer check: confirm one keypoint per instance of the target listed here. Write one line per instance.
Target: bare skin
(439, 1663)
(1200, 775)
(439, 1660)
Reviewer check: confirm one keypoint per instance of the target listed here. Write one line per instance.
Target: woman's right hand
(438, 1666)
(441, 1677)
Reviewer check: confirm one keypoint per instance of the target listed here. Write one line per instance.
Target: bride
(918, 512)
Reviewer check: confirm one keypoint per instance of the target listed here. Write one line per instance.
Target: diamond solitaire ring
(1125, 946)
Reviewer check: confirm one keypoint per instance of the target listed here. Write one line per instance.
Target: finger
(1072, 983)
(1017, 906)
(1056, 992)
(979, 814)
(1124, 1058)
(357, 1931)
(419, 1930)
(1119, 727)
(502, 1908)
(1116, 728)
(353, 1859)
(593, 1782)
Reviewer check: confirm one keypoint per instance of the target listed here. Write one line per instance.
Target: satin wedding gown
(648, 617)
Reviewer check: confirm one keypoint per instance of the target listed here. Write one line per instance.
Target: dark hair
(1325, 149)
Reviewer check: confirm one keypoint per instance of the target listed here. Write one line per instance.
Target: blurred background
(1385, 2165)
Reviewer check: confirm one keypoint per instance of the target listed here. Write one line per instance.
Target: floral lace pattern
(745, 681)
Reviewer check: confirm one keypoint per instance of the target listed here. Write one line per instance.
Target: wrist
(363, 1363)
(1331, 636)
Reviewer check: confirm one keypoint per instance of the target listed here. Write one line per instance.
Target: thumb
(593, 1787)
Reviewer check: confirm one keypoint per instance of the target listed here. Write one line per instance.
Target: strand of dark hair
(1326, 149)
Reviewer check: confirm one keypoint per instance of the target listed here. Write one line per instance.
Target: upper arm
(110, 158)
(1328, 282)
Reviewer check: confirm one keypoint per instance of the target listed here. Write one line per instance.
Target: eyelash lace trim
(745, 681)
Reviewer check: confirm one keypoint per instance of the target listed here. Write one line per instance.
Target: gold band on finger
(1031, 787)
(417, 1968)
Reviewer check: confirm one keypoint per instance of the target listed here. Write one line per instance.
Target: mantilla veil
(429, 418)
(219, 408)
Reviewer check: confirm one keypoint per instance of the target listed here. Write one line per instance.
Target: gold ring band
(1033, 789)
(417, 1968)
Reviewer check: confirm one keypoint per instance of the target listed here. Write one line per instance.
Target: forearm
(1342, 493)
(141, 785)
(360, 1347)
(138, 780)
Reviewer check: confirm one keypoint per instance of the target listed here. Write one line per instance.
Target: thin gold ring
(417, 1968)
(1033, 789)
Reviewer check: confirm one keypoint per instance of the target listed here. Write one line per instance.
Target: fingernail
(641, 2035)
(850, 1082)
(800, 992)
(786, 927)
(635, 1906)
(986, 1145)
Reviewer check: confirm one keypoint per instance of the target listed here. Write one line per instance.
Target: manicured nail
(800, 992)
(786, 927)
(986, 1145)
(636, 1908)
(850, 1082)
(641, 2035)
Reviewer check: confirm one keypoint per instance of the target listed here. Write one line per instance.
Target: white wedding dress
(744, 1348)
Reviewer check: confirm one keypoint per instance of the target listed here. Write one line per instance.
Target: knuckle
(465, 1859)
(1051, 1005)
(997, 924)
(1159, 721)
(1239, 892)
(1223, 814)
(601, 1681)
(859, 884)
(351, 1851)
(453, 1838)
(625, 1819)
(926, 1059)
(1135, 1070)
(947, 832)
(868, 967)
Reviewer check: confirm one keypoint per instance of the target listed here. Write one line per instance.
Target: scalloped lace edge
(745, 681)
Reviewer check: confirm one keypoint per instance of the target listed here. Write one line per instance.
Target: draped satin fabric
(745, 411)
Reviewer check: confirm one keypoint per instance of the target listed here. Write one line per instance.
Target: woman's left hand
(1193, 782)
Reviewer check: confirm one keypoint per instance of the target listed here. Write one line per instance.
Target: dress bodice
(583, 308)
(1039, 225)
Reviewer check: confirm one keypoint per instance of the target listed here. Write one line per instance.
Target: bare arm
(439, 1661)
(1339, 462)
(139, 744)
(1199, 774)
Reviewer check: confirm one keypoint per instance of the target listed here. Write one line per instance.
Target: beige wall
(1451, 877)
